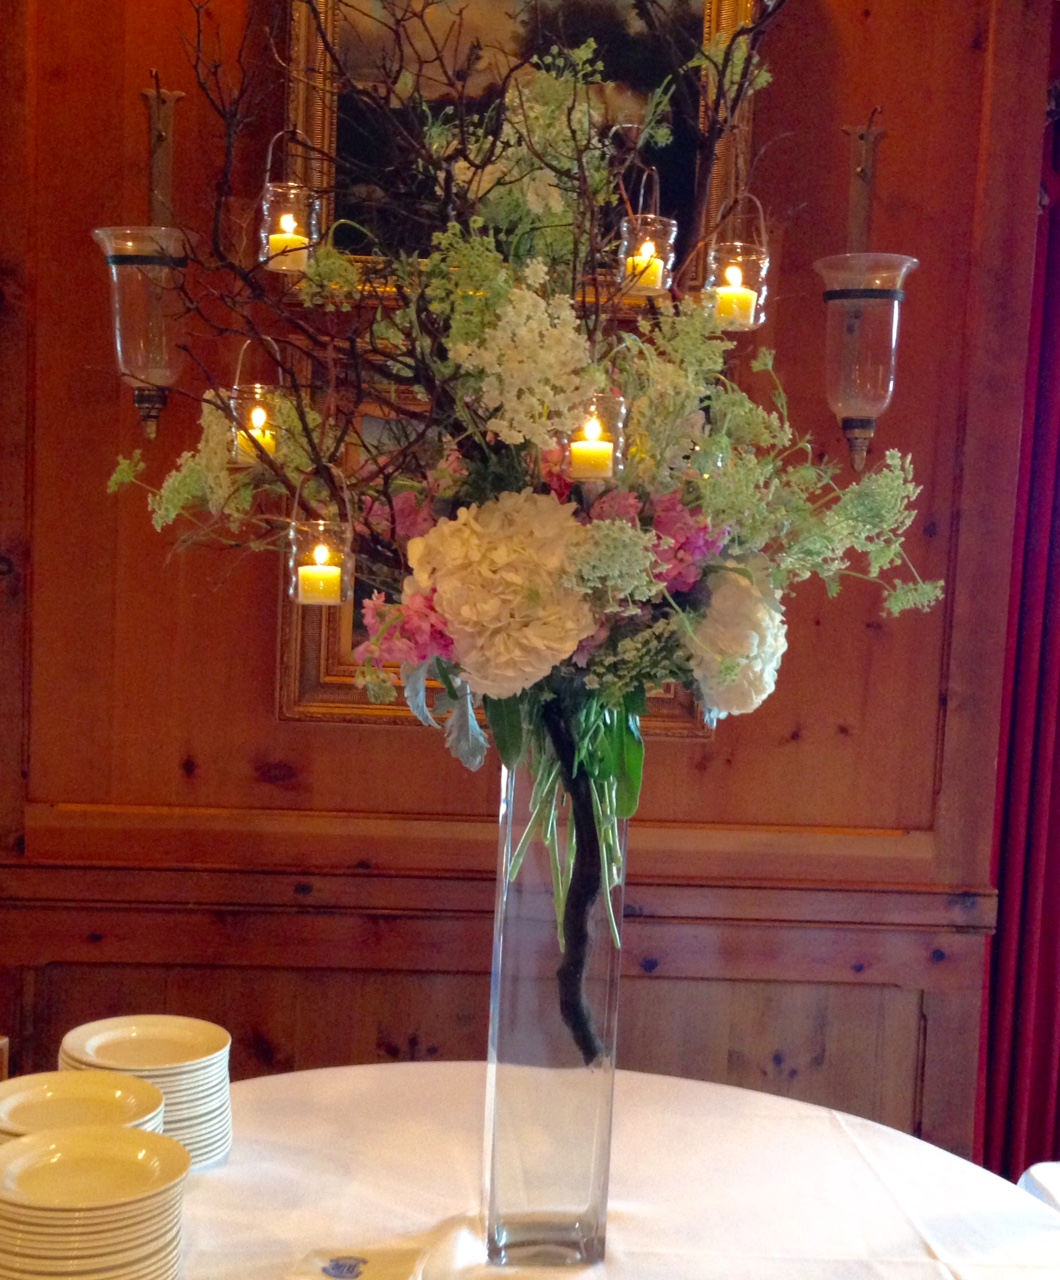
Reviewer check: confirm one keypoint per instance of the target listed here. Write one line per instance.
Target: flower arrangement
(492, 576)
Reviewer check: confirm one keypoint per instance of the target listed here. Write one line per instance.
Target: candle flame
(734, 276)
(258, 417)
(647, 250)
(592, 429)
(321, 554)
(288, 223)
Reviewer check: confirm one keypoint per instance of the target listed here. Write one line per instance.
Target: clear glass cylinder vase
(553, 1022)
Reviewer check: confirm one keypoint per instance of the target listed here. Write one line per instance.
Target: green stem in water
(585, 882)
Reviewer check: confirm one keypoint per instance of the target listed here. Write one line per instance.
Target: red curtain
(1022, 1102)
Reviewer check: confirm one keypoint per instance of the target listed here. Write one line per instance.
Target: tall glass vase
(553, 1020)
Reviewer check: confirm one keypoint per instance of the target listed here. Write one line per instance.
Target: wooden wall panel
(829, 1044)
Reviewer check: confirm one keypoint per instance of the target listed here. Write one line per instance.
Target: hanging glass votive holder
(736, 272)
(255, 423)
(289, 227)
(596, 448)
(319, 562)
(737, 265)
(646, 254)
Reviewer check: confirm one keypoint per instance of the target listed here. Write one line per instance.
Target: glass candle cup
(736, 273)
(288, 226)
(646, 254)
(595, 449)
(255, 426)
(319, 562)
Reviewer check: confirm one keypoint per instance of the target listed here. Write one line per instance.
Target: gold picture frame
(317, 679)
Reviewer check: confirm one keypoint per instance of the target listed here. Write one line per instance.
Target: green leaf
(636, 702)
(445, 674)
(505, 716)
(630, 773)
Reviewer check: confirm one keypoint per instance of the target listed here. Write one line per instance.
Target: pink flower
(580, 657)
(410, 632)
(412, 516)
(617, 504)
(552, 473)
(683, 541)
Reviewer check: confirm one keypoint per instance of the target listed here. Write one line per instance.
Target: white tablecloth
(707, 1183)
(1043, 1181)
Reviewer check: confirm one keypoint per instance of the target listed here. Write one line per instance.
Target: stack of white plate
(97, 1201)
(59, 1099)
(186, 1058)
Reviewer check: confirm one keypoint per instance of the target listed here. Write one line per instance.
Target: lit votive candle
(591, 458)
(736, 303)
(288, 250)
(320, 583)
(259, 431)
(644, 270)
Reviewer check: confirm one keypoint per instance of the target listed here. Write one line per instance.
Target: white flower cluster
(535, 368)
(497, 573)
(616, 559)
(738, 643)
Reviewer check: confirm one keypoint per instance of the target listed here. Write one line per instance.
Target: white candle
(644, 270)
(735, 307)
(320, 583)
(288, 251)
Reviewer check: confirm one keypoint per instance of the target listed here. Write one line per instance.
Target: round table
(708, 1182)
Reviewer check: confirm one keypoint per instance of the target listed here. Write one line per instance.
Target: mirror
(356, 67)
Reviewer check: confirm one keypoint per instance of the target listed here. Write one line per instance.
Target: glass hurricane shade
(143, 263)
(863, 292)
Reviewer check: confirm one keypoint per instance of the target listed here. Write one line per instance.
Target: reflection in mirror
(402, 100)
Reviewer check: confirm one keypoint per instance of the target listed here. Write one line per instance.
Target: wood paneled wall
(810, 894)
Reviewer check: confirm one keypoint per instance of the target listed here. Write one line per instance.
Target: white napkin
(453, 1246)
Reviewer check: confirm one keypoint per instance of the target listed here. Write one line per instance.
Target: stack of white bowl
(96, 1201)
(59, 1099)
(184, 1057)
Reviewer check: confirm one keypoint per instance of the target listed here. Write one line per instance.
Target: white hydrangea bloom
(737, 644)
(498, 575)
(537, 375)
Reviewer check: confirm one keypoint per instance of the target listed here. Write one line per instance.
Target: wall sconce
(737, 267)
(863, 292)
(147, 307)
(289, 220)
(595, 450)
(319, 562)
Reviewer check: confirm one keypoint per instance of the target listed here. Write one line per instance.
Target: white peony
(737, 644)
(498, 572)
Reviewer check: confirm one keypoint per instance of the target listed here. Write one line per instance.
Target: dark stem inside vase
(583, 892)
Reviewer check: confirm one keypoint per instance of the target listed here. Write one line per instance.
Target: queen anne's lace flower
(497, 575)
(737, 644)
(535, 367)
